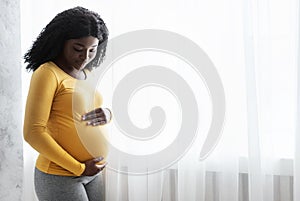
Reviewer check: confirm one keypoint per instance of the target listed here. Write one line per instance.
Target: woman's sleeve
(42, 89)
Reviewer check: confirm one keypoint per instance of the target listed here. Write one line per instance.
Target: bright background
(253, 45)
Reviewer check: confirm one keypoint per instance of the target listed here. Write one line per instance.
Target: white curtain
(254, 46)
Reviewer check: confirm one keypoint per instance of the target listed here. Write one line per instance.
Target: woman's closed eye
(80, 50)
(77, 49)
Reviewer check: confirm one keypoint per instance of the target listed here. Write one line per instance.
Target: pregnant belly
(94, 139)
(81, 141)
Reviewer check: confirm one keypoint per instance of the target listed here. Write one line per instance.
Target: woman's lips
(82, 64)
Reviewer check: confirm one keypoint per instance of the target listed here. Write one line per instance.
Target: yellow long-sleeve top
(53, 123)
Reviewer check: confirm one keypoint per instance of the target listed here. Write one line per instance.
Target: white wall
(11, 158)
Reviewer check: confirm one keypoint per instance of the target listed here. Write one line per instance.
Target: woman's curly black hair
(73, 23)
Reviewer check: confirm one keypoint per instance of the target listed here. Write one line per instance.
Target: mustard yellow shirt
(53, 125)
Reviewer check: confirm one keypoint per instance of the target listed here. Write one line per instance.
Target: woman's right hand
(92, 168)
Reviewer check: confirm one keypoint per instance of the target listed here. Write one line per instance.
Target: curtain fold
(296, 166)
(254, 154)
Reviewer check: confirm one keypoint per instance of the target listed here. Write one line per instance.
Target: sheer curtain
(254, 48)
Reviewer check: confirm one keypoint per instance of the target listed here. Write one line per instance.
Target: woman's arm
(42, 90)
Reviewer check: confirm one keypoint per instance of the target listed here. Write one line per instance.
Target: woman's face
(77, 53)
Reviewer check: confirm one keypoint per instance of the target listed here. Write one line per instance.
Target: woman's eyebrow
(79, 44)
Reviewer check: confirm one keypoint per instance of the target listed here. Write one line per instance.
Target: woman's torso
(72, 99)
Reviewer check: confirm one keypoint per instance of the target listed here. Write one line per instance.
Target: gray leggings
(67, 188)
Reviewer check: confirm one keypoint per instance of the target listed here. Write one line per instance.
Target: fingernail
(88, 123)
(83, 117)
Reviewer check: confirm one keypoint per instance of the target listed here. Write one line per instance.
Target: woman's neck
(73, 72)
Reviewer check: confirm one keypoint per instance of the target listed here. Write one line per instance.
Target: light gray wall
(11, 159)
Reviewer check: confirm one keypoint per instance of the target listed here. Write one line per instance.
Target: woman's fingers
(93, 114)
(99, 116)
(92, 168)
(98, 159)
(102, 166)
(97, 121)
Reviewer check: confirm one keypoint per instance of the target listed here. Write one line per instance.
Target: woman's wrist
(108, 112)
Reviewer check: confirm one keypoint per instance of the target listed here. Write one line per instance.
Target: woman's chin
(80, 66)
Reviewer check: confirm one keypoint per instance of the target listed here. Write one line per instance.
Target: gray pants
(67, 188)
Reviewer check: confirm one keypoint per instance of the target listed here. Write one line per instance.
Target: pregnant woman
(64, 120)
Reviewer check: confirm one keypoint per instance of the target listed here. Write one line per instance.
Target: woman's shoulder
(49, 72)
(47, 67)
(51, 69)
(44, 75)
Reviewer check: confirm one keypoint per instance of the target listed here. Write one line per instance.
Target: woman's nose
(84, 55)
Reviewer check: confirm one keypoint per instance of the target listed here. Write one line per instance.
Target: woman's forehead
(84, 41)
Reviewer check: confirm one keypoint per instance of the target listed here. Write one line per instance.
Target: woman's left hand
(99, 116)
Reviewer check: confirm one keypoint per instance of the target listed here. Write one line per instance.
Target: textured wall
(11, 161)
